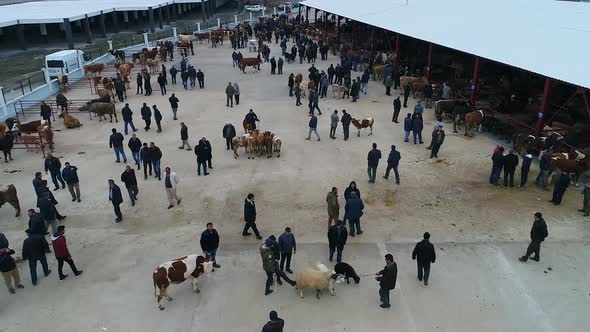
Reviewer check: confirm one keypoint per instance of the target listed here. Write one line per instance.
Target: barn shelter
(24, 20)
(545, 37)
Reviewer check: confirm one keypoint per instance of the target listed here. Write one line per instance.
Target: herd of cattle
(257, 142)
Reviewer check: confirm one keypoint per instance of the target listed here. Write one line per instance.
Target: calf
(473, 119)
(8, 195)
(347, 271)
(177, 271)
(364, 123)
(70, 121)
(322, 278)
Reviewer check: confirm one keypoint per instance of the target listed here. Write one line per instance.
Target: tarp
(547, 37)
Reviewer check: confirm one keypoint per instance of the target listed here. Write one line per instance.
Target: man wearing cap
(538, 235)
(387, 279)
(337, 235)
(62, 254)
(424, 253)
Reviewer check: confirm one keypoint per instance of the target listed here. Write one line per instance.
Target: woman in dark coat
(351, 187)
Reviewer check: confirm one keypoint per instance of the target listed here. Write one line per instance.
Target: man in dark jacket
(37, 182)
(497, 164)
(146, 115)
(337, 236)
(510, 163)
(116, 198)
(184, 137)
(8, 266)
(173, 72)
(250, 216)
(201, 79)
(345, 119)
(36, 223)
(291, 84)
(208, 152)
(229, 92)
(353, 211)
(407, 127)
(280, 66)
(34, 248)
(157, 118)
(438, 137)
(202, 153)
(46, 204)
(288, 247)
(562, 181)
(331, 72)
(392, 163)
(135, 147)
(273, 65)
(428, 95)
(139, 81)
(162, 83)
(251, 118)
(524, 169)
(147, 84)
(46, 113)
(184, 78)
(62, 254)
(229, 132)
(538, 235)
(313, 124)
(372, 162)
(544, 169)
(70, 175)
(127, 114)
(417, 126)
(275, 324)
(145, 154)
(387, 279)
(407, 90)
(397, 106)
(130, 181)
(424, 253)
(210, 243)
(156, 157)
(174, 105)
(116, 143)
(53, 165)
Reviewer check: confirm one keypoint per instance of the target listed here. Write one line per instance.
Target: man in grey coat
(333, 124)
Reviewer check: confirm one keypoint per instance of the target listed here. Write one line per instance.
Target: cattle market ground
(479, 230)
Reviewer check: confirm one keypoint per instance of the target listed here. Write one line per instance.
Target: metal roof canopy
(55, 11)
(546, 37)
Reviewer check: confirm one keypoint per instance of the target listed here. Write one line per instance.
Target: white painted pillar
(174, 33)
(250, 15)
(47, 78)
(135, 15)
(236, 19)
(274, 9)
(43, 28)
(2, 101)
(110, 44)
(61, 27)
(125, 17)
(146, 40)
(198, 26)
(218, 23)
(263, 14)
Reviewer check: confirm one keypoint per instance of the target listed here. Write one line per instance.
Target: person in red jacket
(62, 254)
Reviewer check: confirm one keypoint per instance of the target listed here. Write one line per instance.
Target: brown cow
(473, 119)
(101, 110)
(576, 167)
(70, 121)
(249, 62)
(3, 128)
(29, 127)
(93, 69)
(365, 123)
(241, 141)
(177, 271)
(8, 195)
(378, 71)
(104, 93)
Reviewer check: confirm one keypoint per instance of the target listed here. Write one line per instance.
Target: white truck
(63, 62)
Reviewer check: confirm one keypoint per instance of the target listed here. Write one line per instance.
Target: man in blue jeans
(127, 118)
(353, 211)
(34, 248)
(313, 124)
(210, 243)
(497, 165)
(407, 127)
(116, 143)
(156, 156)
(392, 163)
(373, 161)
(387, 278)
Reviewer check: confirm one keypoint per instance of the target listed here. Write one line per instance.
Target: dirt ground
(479, 230)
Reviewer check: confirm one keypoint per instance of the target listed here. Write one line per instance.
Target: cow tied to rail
(177, 271)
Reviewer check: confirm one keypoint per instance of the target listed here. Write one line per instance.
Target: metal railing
(24, 85)
(32, 108)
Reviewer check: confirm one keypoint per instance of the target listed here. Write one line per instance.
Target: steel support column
(168, 18)
(203, 11)
(306, 14)
(397, 49)
(475, 80)
(151, 19)
(68, 33)
(87, 29)
(43, 29)
(315, 15)
(160, 18)
(115, 22)
(20, 34)
(544, 105)
(103, 27)
(429, 65)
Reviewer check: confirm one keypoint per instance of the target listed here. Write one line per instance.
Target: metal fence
(23, 85)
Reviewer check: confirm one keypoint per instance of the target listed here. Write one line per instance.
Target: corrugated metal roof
(547, 37)
(55, 11)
